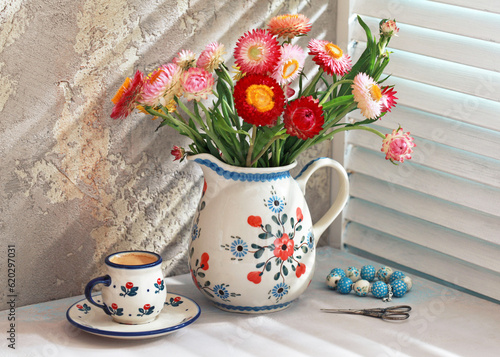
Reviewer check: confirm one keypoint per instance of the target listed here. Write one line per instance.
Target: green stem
(252, 144)
(347, 128)
(332, 87)
(273, 141)
(313, 83)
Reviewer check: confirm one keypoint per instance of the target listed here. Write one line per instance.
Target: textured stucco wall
(76, 185)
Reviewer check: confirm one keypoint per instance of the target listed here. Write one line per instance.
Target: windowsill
(443, 322)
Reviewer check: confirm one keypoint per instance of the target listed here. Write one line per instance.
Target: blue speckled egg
(396, 275)
(384, 274)
(398, 288)
(332, 280)
(344, 286)
(353, 274)
(368, 272)
(338, 271)
(379, 289)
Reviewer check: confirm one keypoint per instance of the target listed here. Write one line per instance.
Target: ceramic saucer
(179, 312)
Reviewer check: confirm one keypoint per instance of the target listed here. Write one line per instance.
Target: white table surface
(443, 322)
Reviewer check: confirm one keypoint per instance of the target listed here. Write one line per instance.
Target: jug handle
(324, 222)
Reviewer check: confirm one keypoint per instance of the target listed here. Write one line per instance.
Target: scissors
(399, 312)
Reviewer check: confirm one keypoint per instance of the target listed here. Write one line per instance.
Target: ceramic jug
(253, 242)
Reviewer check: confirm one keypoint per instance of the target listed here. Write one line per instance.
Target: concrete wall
(76, 185)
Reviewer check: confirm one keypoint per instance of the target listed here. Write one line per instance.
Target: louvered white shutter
(439, 213)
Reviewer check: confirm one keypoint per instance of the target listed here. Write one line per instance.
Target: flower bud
(388, 28)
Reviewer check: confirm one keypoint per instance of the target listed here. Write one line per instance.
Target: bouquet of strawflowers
(256, 118)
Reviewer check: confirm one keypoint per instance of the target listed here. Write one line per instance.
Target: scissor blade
(343, 311)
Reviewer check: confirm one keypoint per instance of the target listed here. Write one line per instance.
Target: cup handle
(106, 280)
(324, 222)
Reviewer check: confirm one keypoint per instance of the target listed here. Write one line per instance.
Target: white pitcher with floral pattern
(253, 241)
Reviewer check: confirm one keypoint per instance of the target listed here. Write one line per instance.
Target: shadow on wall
(82, 185)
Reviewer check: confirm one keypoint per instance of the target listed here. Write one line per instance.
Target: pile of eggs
(364, 281)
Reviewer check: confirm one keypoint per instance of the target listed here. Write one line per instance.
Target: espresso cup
(134, 291)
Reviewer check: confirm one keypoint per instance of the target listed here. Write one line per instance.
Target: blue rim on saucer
(178, 312)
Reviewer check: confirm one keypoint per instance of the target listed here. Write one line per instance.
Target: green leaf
(304, 249)
(285, 270)
(345, 99)
(201, 274)
(268, 266)
(284, 218)
(260, 265)
(277, 276)
(265, 135)
(258, 253)
(275, 219)
(268, 228)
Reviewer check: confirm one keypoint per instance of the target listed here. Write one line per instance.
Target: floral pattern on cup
(114, 310)
(146, 310)
(159, 285)
(129, 289)
(84, 308)
(218, 290)
(175, 302)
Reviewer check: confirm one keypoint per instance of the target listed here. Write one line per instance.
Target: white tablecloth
(443, 322)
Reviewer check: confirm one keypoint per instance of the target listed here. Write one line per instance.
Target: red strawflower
(258, 99)
(257, 52)
(147, 307)
(114, 306)
(303, 118)
(178, 152)
(129, 285)
(126, 97)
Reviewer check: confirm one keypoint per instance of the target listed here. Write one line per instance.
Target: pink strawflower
(257, 52)
(161, 86)
(185, 59)
(329, 57)
(398, 145)
(368, 96)
(388, 99)
(290, 64)
(388, 28)
(289, 26)
(211, 57)
(197, 84)
(125, 99)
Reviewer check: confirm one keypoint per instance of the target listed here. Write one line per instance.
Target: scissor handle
(398, 309)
